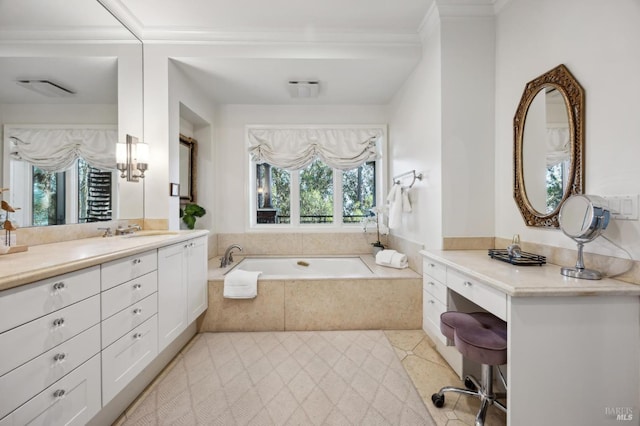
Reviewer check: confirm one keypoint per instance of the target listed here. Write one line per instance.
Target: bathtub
(306, 267)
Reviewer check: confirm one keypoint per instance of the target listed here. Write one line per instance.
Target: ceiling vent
(46, 88)
(304, 89)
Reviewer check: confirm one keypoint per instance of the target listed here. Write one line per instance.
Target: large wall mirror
(548, 146)
(69, 70)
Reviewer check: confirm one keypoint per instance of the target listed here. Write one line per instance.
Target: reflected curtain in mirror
(548, 146)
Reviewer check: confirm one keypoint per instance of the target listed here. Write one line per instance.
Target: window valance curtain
(558, 145)
(55, 150)
(295, 149)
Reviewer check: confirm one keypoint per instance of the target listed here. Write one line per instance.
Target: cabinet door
(172, 293)
(72, 400)
(197, 296)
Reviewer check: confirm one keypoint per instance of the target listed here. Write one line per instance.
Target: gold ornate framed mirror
(548, 146)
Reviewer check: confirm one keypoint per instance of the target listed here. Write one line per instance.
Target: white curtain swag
(295, 149)
(558, 145)
(55, 150)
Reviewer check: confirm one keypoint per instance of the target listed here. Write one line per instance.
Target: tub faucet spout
(227, 259)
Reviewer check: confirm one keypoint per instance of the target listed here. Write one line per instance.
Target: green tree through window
(316, 192)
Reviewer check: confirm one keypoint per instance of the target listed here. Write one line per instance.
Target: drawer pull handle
(137, 311)
(468, 283)
(59, 357)
(186, 246)
(431, 283)
(136, 261)
(431, 301)
(137, 286)
(59, 286)
(432, 265)
(138, 336)
(58, 322)
(59, 393)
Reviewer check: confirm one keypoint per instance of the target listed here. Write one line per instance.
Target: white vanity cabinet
(560, 331)
(129, 321)
(434, 298)
(77, 347)
(49, 332)
(182, 287)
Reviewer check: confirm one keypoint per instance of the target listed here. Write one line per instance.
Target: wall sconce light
(132, 159)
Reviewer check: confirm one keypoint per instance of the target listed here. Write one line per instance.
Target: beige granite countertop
(379, 272)
(519, 281)
(48, 260)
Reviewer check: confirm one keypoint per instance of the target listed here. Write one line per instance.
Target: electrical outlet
(623, 207)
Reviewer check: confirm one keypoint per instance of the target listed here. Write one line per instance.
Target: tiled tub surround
(388, 299)
(317, 244)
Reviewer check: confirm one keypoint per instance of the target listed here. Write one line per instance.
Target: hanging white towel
(406, 204)
(241, 284)
(395, 206)
(392, 259)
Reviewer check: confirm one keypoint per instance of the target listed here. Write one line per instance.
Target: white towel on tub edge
(239, 284)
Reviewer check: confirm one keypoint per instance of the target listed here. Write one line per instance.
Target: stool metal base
(484, 391)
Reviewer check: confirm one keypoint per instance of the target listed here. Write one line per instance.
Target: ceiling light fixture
(304, 89)
(46, 88)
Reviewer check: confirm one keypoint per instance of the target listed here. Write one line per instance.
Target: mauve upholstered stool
(480, 337)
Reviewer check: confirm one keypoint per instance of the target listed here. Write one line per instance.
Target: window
(79, 194)
(323, 176)
(313, 187)
(48, 207)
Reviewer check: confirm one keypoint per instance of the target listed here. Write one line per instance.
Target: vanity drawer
(434, 269)
(432, 308)
(132, 316)
(30, 340)
(435, 288)
(125, 269)
(72, 400)
(481, 294)
(117, 298)
(128, 356)
(25, 303)
(29, 379)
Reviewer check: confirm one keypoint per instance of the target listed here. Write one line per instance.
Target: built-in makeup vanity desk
(573, 345)
(85, 325)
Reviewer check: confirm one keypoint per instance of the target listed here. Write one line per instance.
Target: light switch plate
(623, 207)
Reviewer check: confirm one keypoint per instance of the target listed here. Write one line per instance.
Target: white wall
(232, 160)
(599, 43)
(190, 111)
(442, 124)
(415, 143)
(468, 58)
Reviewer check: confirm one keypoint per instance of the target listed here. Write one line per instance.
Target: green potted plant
(190, 213)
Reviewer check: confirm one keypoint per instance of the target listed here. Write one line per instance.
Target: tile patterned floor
(283, 378)
(353, 380)
(429, 372)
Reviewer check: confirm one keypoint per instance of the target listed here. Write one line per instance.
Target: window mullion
(295, 198)
(337, 197)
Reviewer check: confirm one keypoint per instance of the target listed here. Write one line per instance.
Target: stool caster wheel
(438, 400)
(468, 383)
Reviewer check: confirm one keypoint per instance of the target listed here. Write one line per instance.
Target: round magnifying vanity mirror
(582, 218)
(548, 151)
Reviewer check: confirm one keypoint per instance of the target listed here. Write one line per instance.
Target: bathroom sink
(139, 234)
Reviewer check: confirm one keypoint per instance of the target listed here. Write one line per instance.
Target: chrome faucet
(107, 232)
(130, 229)
(227, 259)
